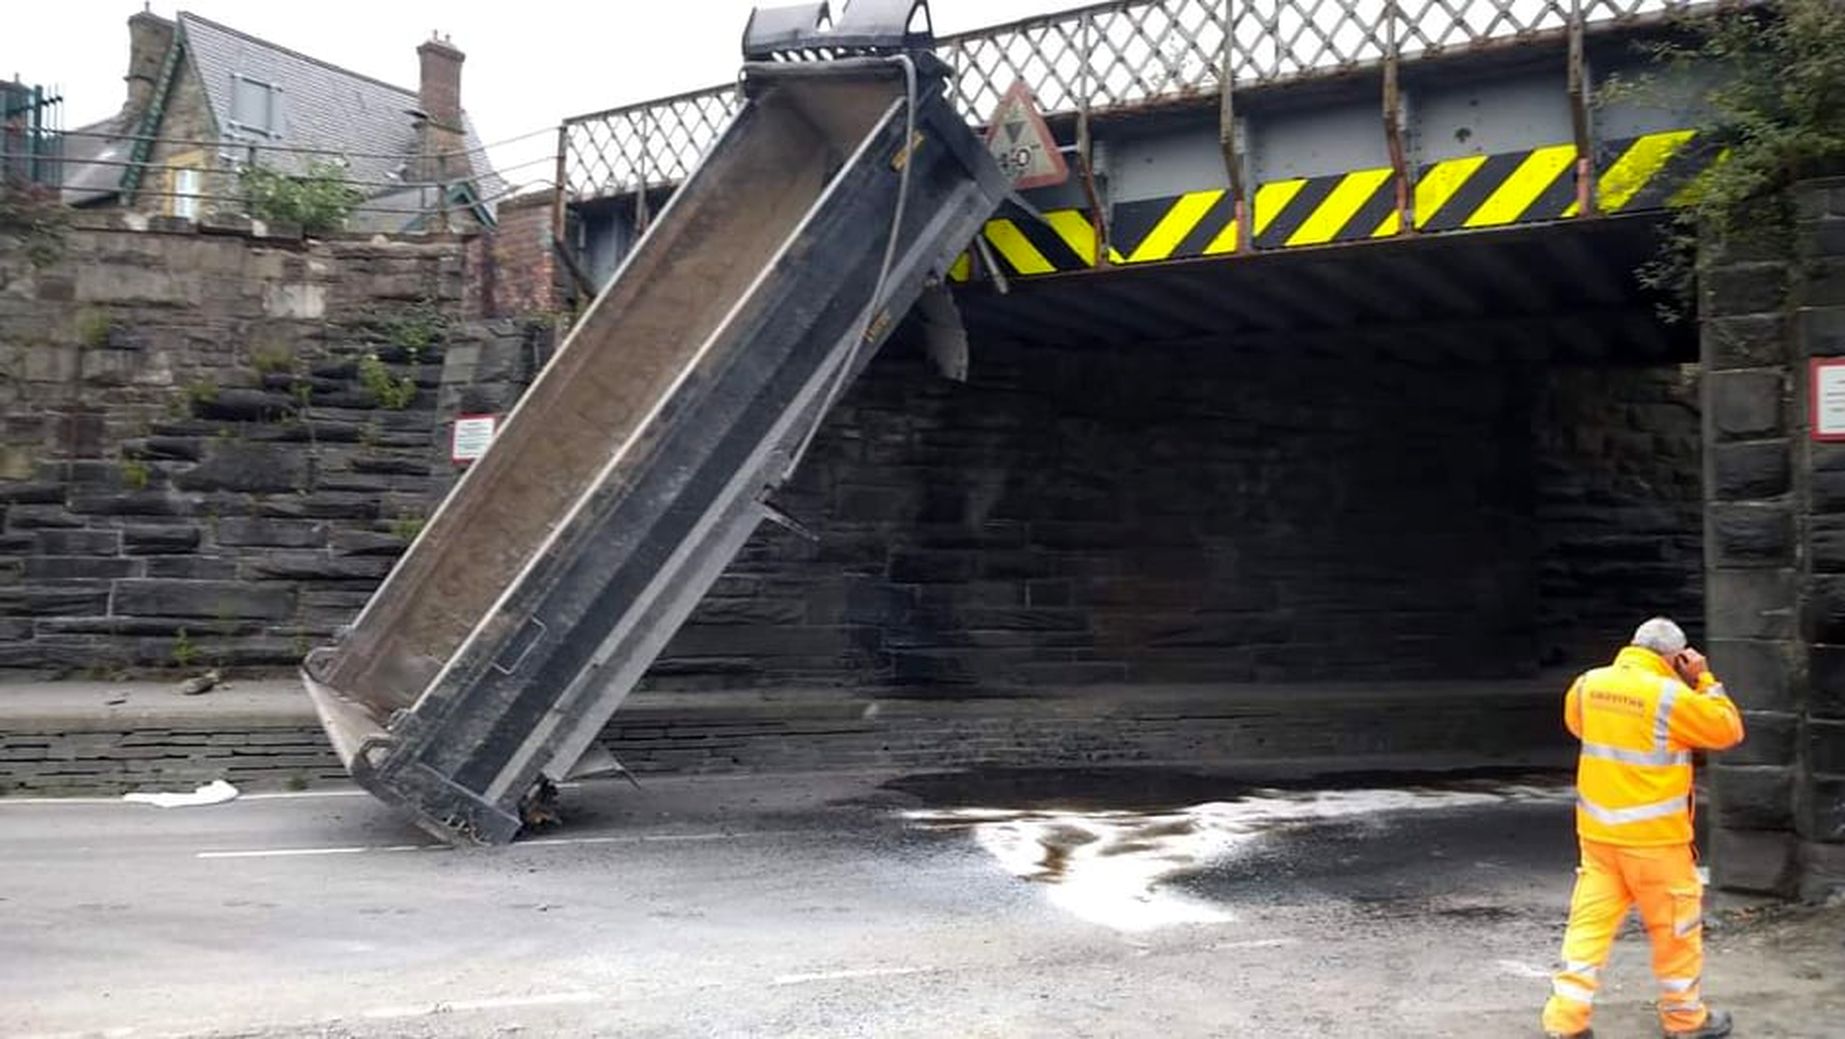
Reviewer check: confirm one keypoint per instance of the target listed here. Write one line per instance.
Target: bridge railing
(1113, 56)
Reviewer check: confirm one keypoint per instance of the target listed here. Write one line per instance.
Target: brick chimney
(149, 38)
(439, 131)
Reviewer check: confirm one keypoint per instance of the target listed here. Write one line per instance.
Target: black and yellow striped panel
(1649, 171)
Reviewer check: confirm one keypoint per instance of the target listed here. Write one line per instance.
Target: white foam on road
(1109, 867)
(215, 792)
(849, 975)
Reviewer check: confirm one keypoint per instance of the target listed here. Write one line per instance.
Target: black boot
(1715, 1026)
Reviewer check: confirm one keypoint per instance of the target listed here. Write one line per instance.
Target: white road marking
(543, 842)
(846, 975)
(1255, 943)
(551, 999)
(1523, 970)
(283, 853)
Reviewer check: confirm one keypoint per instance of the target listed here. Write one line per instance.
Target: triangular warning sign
(1022, 144)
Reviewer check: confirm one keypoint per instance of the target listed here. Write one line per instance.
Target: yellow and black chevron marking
(1473, 191)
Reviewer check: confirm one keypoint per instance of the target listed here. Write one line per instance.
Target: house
(206, 101)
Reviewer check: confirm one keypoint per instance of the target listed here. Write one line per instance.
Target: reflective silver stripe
(1662, 715)
(1583, 969)
(1681, 1008)
(1636, 757)
(1638, 813)
(1678, 985)
(1686, 928)
(1570, 990)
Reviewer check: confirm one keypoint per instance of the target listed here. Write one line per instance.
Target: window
(186, 193)
(256, 107)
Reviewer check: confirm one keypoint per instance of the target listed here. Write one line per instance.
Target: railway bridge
(1316, 359)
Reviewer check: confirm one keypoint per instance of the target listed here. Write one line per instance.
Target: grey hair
(1661, 636)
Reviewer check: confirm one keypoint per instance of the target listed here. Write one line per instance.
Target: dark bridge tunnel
(1465, 458)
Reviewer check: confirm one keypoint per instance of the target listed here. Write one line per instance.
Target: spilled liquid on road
(1111, 866)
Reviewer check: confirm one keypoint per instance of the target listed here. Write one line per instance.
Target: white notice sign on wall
(1829, 399)
(470, 437)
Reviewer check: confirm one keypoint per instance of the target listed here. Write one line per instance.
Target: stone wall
(1775, 527)
(212, 446)
(1142, 513)
(1619, 506)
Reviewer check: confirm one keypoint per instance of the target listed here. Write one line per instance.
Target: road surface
(1018, 904)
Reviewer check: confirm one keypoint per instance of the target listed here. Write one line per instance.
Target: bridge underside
(1474, 457)
(1560, 292)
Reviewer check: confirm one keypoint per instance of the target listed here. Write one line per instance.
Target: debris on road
(215, 792)
(198, 684)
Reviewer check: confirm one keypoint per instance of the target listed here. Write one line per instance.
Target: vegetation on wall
(37, 220)
(1777, 116)
(319, 199)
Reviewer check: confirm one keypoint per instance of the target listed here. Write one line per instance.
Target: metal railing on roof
(1113, 56)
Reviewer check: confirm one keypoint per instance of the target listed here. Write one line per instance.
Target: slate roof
(368, 121)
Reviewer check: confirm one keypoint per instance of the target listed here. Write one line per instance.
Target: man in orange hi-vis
(1639, 719)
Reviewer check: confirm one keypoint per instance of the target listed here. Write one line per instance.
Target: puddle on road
(1107, 848)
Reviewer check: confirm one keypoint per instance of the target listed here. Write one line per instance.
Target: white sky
(530, 63)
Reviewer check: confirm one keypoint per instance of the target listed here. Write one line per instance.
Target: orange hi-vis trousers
(1664, 883)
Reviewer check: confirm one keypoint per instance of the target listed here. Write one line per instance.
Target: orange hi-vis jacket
(1638, 723)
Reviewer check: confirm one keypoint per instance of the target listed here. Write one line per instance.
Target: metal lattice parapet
(1116, 55)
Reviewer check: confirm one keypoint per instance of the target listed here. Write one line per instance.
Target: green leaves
(318, 200)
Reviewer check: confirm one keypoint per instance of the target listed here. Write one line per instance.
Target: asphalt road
(1045, 904)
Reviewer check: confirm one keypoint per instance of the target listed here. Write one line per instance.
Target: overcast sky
(530, 62)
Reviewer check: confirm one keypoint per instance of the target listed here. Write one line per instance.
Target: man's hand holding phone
(1691, 666)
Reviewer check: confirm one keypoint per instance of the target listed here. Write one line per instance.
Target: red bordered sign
(1827, 412)
(469, 437)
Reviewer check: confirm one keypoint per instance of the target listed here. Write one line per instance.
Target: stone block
(79, 568)
(245, 405)
(1755, 535)
(315, 566)
(1824, 238)
(1822, 871)
(1745, 404)
(275, 533)
(1760, 861)
(367, 543)
(1747, 288)
(1750, 604)
(132, 503)
(68, 542)
(1823, 284)
(221, 600)
(180, 449)
(1769, 739)
(1749, 471)
(193, 568)
(1825, 609)
(1826, 544)
(1752, 341)
(248, 467)
(1825, 747)
(1821, 331)
(1826, 493)
(55, 600)
(39, 517)
(42, 493)
(322, 505)
(162, 540)
(1819, 806)
(1758, 797)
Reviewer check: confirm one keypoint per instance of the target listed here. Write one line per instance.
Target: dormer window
(256, 106)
